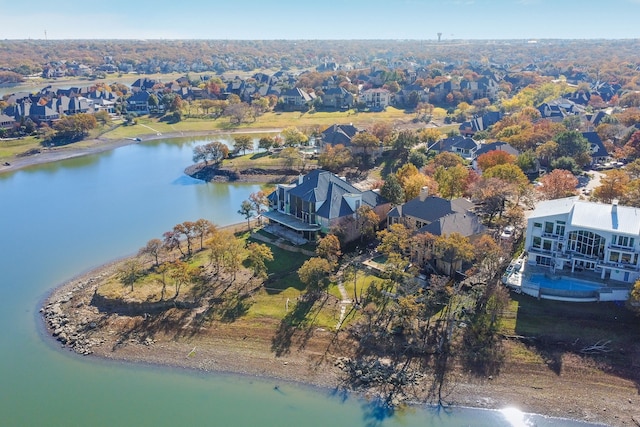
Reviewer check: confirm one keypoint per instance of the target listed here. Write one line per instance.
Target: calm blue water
(563, 283)
(64, 218)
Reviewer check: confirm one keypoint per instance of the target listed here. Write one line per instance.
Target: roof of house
(430, 208)
(320, 186)
(142, 96)
(6, 119)
(597, 147)
(339, 134)
(481, 123)
(442, 216)
(375, 90)
(297, 92)
(595, 216)
(336, 91)
(458, 141)
(498, 145)
(466, 224)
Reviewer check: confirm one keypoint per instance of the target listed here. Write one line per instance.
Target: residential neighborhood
(320, 214)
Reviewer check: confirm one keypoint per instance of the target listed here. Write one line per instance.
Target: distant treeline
(30, 56)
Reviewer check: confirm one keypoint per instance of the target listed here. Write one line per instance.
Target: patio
(563, 285)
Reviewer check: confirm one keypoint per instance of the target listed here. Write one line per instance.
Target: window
(614, 256)
(546, 245)
(537, 242)
(537, 225)
(543, 260)
(548, 227)
(560, 228)
(587, 243)
(624, 241)
(625, 258)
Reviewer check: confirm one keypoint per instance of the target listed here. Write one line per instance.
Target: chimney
(300, 179)
(614, 206)
(424, 193)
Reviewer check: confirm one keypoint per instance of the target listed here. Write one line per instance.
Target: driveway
(592, 183)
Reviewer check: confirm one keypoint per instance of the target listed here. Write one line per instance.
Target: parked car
(507, 233)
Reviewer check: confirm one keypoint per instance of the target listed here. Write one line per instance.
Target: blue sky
(320, 19)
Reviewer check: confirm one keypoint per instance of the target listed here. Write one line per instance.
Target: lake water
(64, 218)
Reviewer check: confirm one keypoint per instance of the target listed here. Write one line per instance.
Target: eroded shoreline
(580, 393)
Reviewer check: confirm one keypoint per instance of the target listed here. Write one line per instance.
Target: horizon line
(324, 39)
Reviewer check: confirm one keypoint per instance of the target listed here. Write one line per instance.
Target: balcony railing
(559, 237)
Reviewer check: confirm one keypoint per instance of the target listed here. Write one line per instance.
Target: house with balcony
(337, 98)
(377, 98)
(317, 203)
(571, 235)
(297, 99)
(139, 102)
(6, 122)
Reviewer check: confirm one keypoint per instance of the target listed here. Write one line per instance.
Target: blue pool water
(562, 283)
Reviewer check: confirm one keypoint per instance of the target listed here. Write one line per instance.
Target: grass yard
(260, 160)
(283, 270)
(10, 148)
(550, 328)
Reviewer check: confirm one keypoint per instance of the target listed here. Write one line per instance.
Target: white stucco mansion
(575, 235)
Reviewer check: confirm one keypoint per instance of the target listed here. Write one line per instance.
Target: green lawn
(9, 149)
(151, 126)
(568, 323)
(283, 270)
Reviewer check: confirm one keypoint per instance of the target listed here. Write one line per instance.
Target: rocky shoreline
(214, 173)
(70, 334)
(71, 317)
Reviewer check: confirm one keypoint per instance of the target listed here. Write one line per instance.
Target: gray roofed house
(139, 102)
(439, 217)
(498, 145)
(43, 113)
(72, 105)
(143, 84)
(315, 203)
(296, 99)
(598, 151)
(422, 212)
(339, 134)
(464, 147)
(337, 98)
(6, 122)
(493, 146)
(469, 128)
(557, 109)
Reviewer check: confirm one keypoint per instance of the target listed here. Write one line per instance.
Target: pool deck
(517, 278)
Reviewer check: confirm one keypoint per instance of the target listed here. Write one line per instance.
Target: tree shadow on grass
(234, 307)
(256, 156)
(293, 322)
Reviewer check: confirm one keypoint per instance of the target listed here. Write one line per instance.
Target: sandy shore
(579, 391)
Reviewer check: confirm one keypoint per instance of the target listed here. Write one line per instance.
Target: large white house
(575, 235)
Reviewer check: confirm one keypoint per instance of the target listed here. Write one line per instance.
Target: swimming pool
(563, 283)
